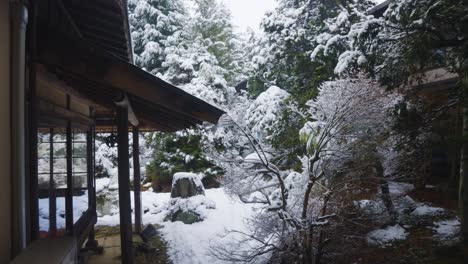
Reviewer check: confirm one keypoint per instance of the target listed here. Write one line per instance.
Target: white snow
(196, 178)
(80, 205)
(263, 114)
(427, 210)
(370, 206)
(447, 230)
(386, 236)
(191, 243)
(400, 188)
(102, 184)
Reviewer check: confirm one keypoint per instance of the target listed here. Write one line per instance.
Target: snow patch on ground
(191, 243)
(370, 206)
(386, 236)
(425, 209)
(447, 230)
(400, 188)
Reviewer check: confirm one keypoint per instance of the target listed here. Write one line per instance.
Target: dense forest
(331, 134)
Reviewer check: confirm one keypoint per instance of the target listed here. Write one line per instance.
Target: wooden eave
(104, 78)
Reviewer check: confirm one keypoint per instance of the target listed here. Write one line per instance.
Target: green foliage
(178, 153)
(286, 139)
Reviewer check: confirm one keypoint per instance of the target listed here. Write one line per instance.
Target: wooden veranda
(81, 81)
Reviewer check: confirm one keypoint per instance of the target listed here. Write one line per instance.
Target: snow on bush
(386, 236)
(198, 204)
(265, 110)
(370, 206)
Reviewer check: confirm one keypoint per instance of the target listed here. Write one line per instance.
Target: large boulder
(188, 203)
(185, 185)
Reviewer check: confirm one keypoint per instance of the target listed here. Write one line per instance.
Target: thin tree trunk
(462, 190)
(386, 198)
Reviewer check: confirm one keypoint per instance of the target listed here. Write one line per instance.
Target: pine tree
(155, 25)
(196, 51)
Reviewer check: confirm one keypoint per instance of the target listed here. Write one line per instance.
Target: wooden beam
(99, 31)
(126, 241)
(104, 39)
(137, 179)
(69, 18)
(103, 5)
(49, 79)
(81, 18)
(95, 8)
(48, 109)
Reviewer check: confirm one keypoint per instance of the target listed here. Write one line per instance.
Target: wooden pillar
(52, 196)
(137, 179)
(91, 183)
(32, 212)
(69, 190)
(124, 186)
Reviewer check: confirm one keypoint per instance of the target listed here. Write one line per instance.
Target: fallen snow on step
(447, 230)
(424, 209)
(386, 236)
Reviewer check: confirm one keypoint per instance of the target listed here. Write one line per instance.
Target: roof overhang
(104, 79)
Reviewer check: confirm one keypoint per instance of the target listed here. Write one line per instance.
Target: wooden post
(137, 179)
(52, 196)
(69, 190)
(124, 186)
(32, 211)
(92, 242)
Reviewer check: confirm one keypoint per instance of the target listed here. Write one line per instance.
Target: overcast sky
(249, 13)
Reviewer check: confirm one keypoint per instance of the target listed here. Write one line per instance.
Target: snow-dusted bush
(348, 117)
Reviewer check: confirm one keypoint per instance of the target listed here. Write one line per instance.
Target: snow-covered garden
(331, 149)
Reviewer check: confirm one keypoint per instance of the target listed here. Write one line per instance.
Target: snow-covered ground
(386, 236)
(445, 231)
(192, 243)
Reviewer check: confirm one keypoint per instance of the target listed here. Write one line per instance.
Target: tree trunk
(462, 190)
(387, 199)
(308, 239)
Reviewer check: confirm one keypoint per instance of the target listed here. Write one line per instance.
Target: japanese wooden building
(66, 73)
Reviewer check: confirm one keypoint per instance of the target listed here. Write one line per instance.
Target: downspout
(19, 15)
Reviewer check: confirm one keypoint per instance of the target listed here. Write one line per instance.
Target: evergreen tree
(155, 25)
(196, 51)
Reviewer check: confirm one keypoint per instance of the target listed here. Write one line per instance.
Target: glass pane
(51, 184)
(60, 180)
(60, 165)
